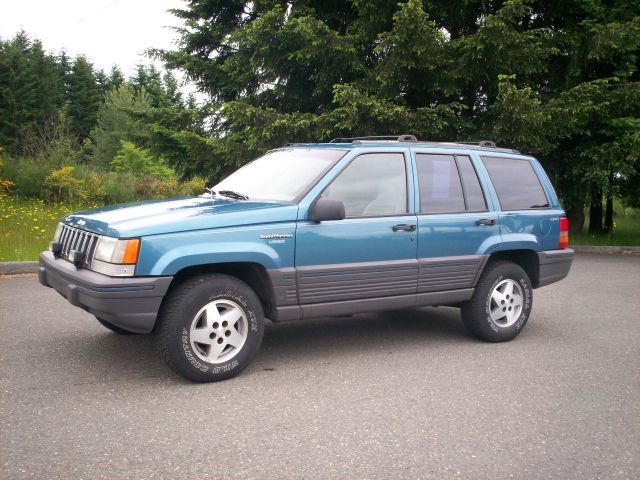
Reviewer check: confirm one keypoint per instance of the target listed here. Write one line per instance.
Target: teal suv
(318, 230)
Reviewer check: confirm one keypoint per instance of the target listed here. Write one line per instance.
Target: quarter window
(516, 183)
(372, 185)
(440, 187)
(472, 189)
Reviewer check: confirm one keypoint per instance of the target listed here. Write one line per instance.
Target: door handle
(486, 221)
(404, 227)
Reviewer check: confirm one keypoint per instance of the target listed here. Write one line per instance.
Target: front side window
(372, 185)
(516, 183)
(281, 175)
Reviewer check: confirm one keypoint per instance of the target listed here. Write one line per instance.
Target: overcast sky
(106, 31)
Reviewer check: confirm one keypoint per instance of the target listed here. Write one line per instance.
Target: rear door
(372, 252)
(455, 224)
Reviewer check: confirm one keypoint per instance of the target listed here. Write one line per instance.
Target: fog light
(55, 248)
(76, 257)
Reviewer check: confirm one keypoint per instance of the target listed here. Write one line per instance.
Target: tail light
(563, 240)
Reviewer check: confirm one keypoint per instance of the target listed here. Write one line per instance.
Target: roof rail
(481, 143)
(397, 138)
(412, 139)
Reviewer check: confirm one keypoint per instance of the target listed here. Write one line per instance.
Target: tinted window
(372, 185)
(516, 183)
(472, 189)
(440, 188)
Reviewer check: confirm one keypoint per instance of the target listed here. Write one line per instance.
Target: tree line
(559, 80)
(70, 130)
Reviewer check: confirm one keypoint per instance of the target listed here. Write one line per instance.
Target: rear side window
(372, 185)
(516, 183)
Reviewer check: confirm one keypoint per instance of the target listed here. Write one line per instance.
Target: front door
(372, 252)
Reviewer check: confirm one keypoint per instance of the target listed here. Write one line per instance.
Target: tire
(115, 328)
(210, 328)
(501, 303)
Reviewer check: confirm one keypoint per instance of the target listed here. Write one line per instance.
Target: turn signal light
(563, 240)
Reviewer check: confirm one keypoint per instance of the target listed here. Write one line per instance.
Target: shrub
(140, 162)
(27, 174)
(119, 187)
(155, 187)
(5, 188)
(194, 186)
(93, 188)
(60, 185)
(5, 185)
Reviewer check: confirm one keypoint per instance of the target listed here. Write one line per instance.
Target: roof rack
(481, 143)
(397, 138)
(412, 139)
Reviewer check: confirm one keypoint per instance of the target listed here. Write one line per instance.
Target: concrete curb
(13, 268)
(605, 249)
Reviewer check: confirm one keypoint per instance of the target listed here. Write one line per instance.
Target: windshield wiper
(232, 194)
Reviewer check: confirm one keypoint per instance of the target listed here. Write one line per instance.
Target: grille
(75, 239)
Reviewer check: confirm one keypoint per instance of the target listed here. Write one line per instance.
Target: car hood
(179, 214)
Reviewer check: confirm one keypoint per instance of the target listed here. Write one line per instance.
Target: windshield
(281, 175)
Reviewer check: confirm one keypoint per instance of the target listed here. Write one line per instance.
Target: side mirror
(326, 209)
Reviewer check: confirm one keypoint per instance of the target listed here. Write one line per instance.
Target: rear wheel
(210, 327)
(115, 328)
(501, 304)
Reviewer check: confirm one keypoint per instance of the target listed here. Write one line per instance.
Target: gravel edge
(13, 268)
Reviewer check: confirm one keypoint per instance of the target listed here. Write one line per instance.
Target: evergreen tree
(115, 123)
(83, 98)
(17, 93)
(116, 78)
(172, 90)
(102, 81)
(49, 92)
(31, 94)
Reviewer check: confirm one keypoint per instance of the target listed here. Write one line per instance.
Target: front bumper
(129, 303)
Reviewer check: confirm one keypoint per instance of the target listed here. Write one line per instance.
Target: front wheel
(501, 303)
(210, 327)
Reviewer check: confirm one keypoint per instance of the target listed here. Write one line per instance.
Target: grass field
(27, 226)
(626, 232)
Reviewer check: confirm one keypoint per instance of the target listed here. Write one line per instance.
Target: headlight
(115, 257)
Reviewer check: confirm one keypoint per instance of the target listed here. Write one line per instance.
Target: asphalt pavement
(404, 394)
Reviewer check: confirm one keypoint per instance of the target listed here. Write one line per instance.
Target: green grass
(626, 231)
(27, 226)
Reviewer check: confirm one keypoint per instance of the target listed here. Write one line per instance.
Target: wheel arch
(527, 259)
(253, 274)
